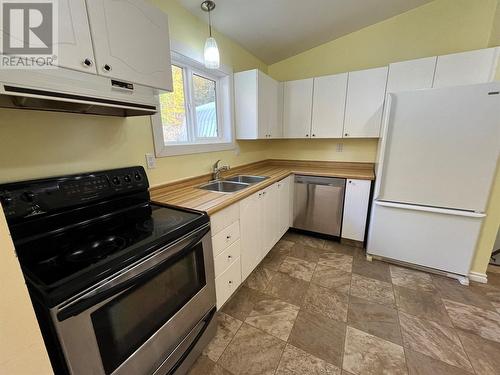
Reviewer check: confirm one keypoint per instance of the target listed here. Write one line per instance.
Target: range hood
(64, 90)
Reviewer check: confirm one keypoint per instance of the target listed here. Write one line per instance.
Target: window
(196, 116)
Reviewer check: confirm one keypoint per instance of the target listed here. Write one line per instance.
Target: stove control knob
(28, 196)
(137, 176)
(127, 178)
(115, 180)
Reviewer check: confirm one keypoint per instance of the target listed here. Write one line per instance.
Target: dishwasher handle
(325, 181)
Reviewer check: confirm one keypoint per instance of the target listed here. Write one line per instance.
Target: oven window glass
(125, 323)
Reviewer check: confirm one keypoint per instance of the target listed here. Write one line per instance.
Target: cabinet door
(364, 103)
(297, 108)
(246, 104)
(284, 206)
(250, 233)
(411, 75)
(357, 196)
(270, 217)
(74, 44)
(466, 68)
(329, 106)
(131, 42)
(274, 106)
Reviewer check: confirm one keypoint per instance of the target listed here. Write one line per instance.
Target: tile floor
(318, 307)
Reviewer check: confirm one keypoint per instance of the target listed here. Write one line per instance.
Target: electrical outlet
(150, 161)
(340, 147)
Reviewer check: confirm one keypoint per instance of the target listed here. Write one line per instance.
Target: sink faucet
(216, 170)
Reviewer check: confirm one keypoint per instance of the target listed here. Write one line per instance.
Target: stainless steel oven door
(131, 322)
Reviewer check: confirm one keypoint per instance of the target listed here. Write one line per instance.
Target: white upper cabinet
(365, 102)
(466, 68)
(297, 108)
(411, 74)
(74, 43)
(328, 106)
(131, 42)
(258, 105)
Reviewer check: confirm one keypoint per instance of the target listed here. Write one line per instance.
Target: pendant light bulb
(211, 52)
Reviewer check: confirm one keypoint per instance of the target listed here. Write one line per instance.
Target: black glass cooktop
(54, 259)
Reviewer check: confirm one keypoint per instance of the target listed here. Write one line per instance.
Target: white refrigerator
(437, 160)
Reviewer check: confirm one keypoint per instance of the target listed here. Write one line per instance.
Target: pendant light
(211, 52)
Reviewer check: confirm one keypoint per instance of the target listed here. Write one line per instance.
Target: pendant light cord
(209, 24)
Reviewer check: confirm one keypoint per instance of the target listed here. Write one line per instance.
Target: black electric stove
(73, 230)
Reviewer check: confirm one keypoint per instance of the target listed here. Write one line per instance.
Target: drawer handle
(230, 282)
(228, 237)
(229, 257)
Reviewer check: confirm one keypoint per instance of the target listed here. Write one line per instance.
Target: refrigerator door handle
(438, 210)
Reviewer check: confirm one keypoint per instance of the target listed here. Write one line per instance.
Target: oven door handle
(103, 292)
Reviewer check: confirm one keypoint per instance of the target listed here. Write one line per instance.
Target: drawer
(224, 218)
(226, 258)
(225, 237)
(227, 283)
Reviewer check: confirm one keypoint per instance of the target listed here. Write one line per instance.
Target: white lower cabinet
(226, 258)
(227, 283)
(251, 233)
(270, 217)
(285, 197)
(357, 197)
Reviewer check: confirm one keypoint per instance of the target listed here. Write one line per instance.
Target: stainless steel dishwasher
(318, 204)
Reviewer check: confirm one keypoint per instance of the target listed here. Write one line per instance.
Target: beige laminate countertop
(185, 193)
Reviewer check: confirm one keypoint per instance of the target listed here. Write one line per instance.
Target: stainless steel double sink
(232, 184)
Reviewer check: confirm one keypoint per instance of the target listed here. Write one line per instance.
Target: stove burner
(96, 249)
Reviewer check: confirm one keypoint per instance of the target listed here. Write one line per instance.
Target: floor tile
(374, 269)
(420, 364)
(451, 289)
(332, 278)
(368, 354)
(298, 268)
(319, 336)
(489, 292)
(205, 366)
(372, 290)
(494, 279)
(252, 352)
(287, 288)
(242, 302)
(376, 319)
(411, 279)
(484, 323)
(433, 339)
(277, 255)
(297, 362)
(337, 247)
(308, 253)
(339, 261)
(483, 354)
(227, 327)
(304, 239)
(274, 317)
(259, 279)
(327, 302)
(425, 305)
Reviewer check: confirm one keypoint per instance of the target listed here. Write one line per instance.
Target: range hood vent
(89, 94)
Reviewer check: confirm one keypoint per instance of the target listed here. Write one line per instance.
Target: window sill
(173, 150)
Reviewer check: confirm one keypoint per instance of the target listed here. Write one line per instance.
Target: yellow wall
(22, 351)
(37, 144)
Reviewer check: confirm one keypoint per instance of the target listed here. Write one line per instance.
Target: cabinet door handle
(228, 237)
(229, 257)
(346, 134)
(307, 135)
(230, 282)
(88, 62)
(314, 135)
(107, 67)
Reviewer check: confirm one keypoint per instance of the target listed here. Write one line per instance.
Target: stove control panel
(33, 198)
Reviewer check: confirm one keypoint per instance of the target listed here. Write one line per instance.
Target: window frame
(223, 78)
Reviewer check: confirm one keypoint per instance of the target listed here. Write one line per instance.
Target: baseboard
(478, 277)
